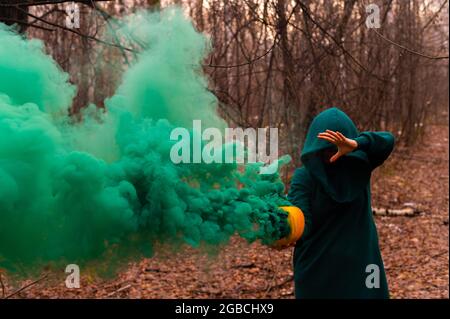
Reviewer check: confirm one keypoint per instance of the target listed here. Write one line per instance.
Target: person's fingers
(328, 138)
(335, 157)
(341, 136)
(325, 134)
(328, 135)
(334, 134)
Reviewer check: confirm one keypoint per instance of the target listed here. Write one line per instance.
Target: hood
(346, 178)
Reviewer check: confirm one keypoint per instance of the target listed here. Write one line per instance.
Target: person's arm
(299, 195)
(377, 145)
(299, 217)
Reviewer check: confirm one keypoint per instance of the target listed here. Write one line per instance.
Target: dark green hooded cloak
(338, 252)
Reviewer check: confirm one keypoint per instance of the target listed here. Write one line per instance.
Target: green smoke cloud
(105, 188)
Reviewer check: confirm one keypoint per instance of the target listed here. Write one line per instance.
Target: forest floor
(415, 249)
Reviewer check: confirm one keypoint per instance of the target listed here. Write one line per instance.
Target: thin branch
(48, 13)
(409, 50)
(75, 32)
(244, 63)
(435, 15)
(248, 62)
(119, 290)
(25, 287)
(106, 17)
(31, 25)
(338, 43)
(44, 2)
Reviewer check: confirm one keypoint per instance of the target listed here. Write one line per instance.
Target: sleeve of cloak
(299, 195)
(377, 145)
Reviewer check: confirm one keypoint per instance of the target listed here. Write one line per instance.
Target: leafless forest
(278, 63)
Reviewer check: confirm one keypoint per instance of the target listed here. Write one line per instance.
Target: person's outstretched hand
(344, 145)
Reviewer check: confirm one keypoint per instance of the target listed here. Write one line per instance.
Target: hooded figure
(338, 254)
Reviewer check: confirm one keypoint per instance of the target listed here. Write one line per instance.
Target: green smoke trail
(106, 187)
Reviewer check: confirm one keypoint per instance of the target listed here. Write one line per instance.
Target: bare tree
(276, 62)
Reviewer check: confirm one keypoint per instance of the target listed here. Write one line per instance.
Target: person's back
(338, 255)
